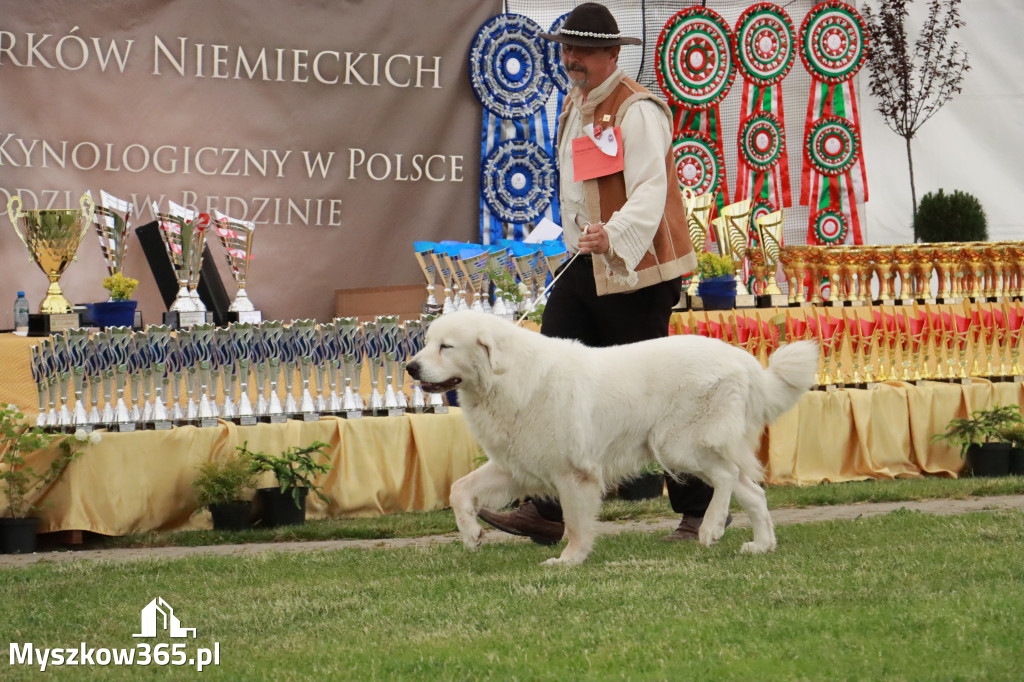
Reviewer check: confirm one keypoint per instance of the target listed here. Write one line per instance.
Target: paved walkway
(655, 525)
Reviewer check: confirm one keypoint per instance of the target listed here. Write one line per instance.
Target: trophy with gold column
(945, 266)
(830, 261)
(769, 230)
(973, 260)
(903, 256)
(52, 237)
(884, 266)
(1016, 256)
(730, 231)
(794, 269)
(698, 220)
(924, 265)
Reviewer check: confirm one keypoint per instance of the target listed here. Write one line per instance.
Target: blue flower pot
(113, 313)
(718, 293)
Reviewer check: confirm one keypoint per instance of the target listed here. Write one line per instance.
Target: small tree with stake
(912, 82)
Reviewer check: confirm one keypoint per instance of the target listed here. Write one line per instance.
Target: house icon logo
(159, 611)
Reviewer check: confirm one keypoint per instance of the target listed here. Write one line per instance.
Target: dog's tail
(790, 374)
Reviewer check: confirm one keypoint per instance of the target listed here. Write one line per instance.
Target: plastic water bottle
(21, 314)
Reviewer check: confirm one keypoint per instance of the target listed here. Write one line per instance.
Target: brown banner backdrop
(345, 129)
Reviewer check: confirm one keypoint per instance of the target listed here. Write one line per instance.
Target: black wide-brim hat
(590, 25)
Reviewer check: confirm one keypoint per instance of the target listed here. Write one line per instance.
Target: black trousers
(575, 311)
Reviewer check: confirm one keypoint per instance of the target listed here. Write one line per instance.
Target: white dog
(562, 420)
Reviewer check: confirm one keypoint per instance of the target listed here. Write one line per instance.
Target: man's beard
(577, 75)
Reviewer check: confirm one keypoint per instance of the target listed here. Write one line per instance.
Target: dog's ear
(494, 354)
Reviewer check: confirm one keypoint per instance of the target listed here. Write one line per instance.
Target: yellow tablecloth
(141, 481)
(885, 432)
(131, 482)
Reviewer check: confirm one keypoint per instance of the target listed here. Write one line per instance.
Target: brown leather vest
(671, 253)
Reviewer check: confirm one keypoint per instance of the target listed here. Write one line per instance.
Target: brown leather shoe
(525, 520)
(688, 528)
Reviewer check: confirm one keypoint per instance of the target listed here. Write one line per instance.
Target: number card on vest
(597, 157)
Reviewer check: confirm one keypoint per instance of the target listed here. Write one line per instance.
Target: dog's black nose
(413, 368)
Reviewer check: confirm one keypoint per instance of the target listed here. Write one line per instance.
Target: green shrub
(983, 426)
(223, 481)
(294, 468)
(956, 217)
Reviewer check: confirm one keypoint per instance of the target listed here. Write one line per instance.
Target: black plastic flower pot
(1016, 462)
(18, 536)
(279, 509)
(231, 515)
(989, 459)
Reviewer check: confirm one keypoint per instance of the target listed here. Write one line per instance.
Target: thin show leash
(541, 295)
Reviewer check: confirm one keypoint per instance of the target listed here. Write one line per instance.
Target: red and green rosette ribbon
(764, 50)
(833, 47)
(695, 67)
(699, 162)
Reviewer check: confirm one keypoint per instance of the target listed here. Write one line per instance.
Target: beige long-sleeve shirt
(646, 139)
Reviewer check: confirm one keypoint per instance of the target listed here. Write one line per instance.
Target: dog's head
(461, 350)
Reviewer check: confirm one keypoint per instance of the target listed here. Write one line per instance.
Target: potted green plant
(220, 486)
(295, 470)
(19, 526)
(119, 311)
(978, 437)
(645, 485)
(1014, 435)
(717, 286)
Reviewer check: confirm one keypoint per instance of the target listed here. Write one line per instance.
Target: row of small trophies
(466, 273)
(859, 275)
(856, 275)
(53, 236)
(885, 343)
(124, 380)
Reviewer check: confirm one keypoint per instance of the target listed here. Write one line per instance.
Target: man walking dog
(621, 209)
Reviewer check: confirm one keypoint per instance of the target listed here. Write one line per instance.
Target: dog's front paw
(472, 538)
(757, 547)
(564, 560)
(710, 533)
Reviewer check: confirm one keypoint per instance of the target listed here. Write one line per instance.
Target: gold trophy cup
(769, 229)
(731, 234)
(698, 218)
(52, 237)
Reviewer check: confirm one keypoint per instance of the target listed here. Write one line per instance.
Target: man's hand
(594, 240)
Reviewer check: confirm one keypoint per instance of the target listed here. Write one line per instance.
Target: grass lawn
(416, 524)
(905, 596)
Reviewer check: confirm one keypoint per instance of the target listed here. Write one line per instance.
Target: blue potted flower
(119, 311)
(717, 286)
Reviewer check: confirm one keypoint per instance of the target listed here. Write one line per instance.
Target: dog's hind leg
(488, 486)
(750, 495)
(580, 496)
(722, 476)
